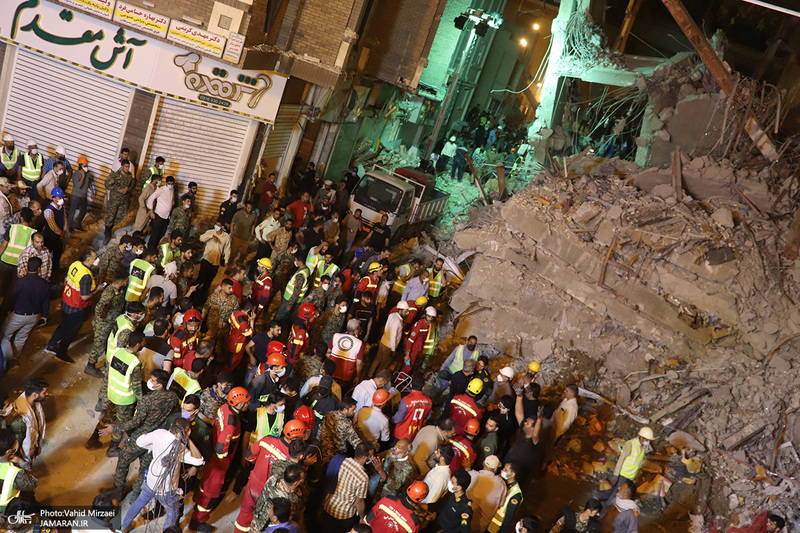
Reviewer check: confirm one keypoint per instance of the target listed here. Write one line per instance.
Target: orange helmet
(473, 427)
(192, 315)
(306, 310)
(276, 359)
(275, 347)
(380, 397)
(417, 491)
(305, 415)
(294, 429)
(238, 395)
(83, 161)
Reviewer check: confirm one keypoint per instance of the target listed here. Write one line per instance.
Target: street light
(535, 26)
(523, 42)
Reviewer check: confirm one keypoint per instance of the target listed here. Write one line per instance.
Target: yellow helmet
(421, 301)
(374, 267)
(265, 262)
(475, 386)
(534, 366)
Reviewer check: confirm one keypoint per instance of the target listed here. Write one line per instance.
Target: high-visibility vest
(8, 474)
(458, 360)
(430, 341)
(120, 377)
(632, 463)
(19, 237)
(302, 273)
(140, 272)
(500, 515)
(263, 427)
(32, 168)
(313, 260)
(323, 270)
(72, 288)
(121, 324)
(154, 171)
(7, 161)
(418, 407)
(168, 254)
(436, 283)
(393, 516)
(186, 382)
(400, 285)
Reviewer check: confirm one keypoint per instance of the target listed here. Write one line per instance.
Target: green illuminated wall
(444, 44)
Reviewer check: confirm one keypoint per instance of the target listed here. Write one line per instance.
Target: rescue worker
(464, 407)
(413, 411)
(368, 283)
(119, 185)
(326, 267)
(154, 172)
(464, 447)
(429, 346)
(629, 463)
(417, 340)
(9, 158)
(225, 435)
(15, 480)
(437, 280)
(295, 290)
(398, 514)
(186, 382)
(241, 323)
(503, 519)
(262, 287)
(108, 308)
(55, 227)
(461, 353)
(390, 340)
(404, 273)
(170, 251)
(140, 272)
(185, 338)
(29, 168)
(347, 351)
(456, 515)
(299, 338)
(267, 380)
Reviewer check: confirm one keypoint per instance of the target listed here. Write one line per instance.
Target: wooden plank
(677, 174)
(627, 24)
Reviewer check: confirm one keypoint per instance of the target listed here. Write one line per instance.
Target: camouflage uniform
(331, 325)
(308, 366)
(281, 265)
(151, 412)
(183, 285)
(110, 306)
(119, 414)
(335, 293)
(273, 488)
(181, 220)
(209, 404)
(117, 207)
(109, 264)
(317, 297)
(219, 309)
(399, 474)
(335, 433)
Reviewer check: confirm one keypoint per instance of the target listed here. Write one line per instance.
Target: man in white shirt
(370, 422)
(167, 282)
(169, 449)
(159, 208)
(567, 411)
(439, 475)
(487, 492)
(392, 333)
(364, 391)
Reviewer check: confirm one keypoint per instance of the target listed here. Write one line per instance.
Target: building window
(225, 22)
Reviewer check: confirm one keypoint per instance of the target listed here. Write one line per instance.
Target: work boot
(107, 236)
(65, 358)
(92, 371)
(113, 449)
(94, 441)
(201, 527)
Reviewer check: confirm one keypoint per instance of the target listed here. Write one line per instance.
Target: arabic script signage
(195, 38)
(141, 19)
(234, 47)
(135, 58)
(98, 8)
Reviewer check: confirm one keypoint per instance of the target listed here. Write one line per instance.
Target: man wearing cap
(392, 334)
(416, 339)
(448, 151)
(55, 226)
(9, 158)
(50, 163)
(29, 167)
(326, 192)
(118, 185)
(6, 209)
(501, 386)
(629, 463)
(487, 492)
(81, 181)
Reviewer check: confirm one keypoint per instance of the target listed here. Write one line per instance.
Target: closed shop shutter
(201, 145)
(279, 135)
(57, 104)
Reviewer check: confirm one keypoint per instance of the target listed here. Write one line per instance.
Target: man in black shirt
(456, 515)
(527, 450)
(380, 234)
(257, 347)
(228, 208)
(364, 310)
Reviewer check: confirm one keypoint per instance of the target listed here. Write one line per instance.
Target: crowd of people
(304, 381)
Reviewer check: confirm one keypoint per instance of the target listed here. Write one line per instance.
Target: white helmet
(647, 433)
(453, 139)
(430, 311)
(507, 371)
(60, 150)
(402, 305)
(8, 138)
(31, 142)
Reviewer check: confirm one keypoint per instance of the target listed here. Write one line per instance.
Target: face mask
(170, 187)
(325, 286)
(185, 414)
(96, 262)
(187, 206)
(335, 284)
(34, 152)
(139, 252)
(450, 486)
(280, 408)
(150, 385)
(369, 461)
(502, 409)
(234, 199)
(504, 475)
(159, 167)
(217, 228)
(343, 309)
(281, 372)
(519, 527)
(225, 391)
(60, 202)
(85, 168)
(59, 172)
(287, 393)
(128, 248)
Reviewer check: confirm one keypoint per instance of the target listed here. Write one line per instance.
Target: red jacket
(182, 343)
(264, 453)
(241, 330)
(298, 342)
(261, 289)
(383, 518)
(416, 339)
(463, 409)
(225, 432)
(418, 407)
(464, 453)
(367, 284)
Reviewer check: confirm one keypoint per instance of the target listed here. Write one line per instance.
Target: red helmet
(380, 397)
(275, 347)
(238, 395)
(305, 415)
(417, 491)
(473, 427)
(276, 359)
(294, 429)
(192, 315)
(306, 311)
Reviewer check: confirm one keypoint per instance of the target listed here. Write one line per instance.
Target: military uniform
(219, 309)
(399, 474)
(335, 293)
(117, 207)
(181, 220)
(110, 306)
(274, 488)
(281, 265)
(209, 404)
(183, 286)
(332, 325)
(317, 297)
(109, 264)
(152, 410)
(335, 433)
(308, 367)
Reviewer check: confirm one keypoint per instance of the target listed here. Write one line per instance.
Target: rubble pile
(677, 292)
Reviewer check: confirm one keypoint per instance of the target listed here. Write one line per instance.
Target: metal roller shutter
(201, 145)
(56, 104)
(282, 130)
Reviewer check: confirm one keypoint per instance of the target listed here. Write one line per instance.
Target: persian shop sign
(141, 19)
(148, 63)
